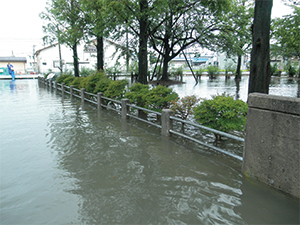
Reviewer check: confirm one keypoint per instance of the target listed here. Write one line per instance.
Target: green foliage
(76, 82)
(62, 77)
(134, 67)
(273, 69)
(102, 85)
(183, 107)
(114, 69)
(90, 82)
(177, 72)
(285, 32)
(137, 94)
(116, 89)
(68, 80)
(222, 113)
(213, 71)
(200, 72)
(290, 69)
(160, 98)
(84, 72)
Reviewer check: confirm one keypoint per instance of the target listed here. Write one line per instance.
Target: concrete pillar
(166, 122)
(63, 89)
(50, 84)
(71, 91)
(99, 100)
(272, 142)
(125, 107)
(82, 94)
(56, 86)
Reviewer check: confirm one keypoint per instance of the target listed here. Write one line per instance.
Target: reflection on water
(63, 163)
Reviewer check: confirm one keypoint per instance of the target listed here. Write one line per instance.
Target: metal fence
(126, 109)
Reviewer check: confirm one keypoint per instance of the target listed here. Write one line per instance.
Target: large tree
(182, 24)
(235, 37)
(96, 26)
(286, 32)
(134, 15)
(52, 32)
(69, 18)
(260, 75)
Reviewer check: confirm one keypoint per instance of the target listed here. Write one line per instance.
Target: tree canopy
(286, 33)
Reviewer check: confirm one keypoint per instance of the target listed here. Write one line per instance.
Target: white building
(47, 58)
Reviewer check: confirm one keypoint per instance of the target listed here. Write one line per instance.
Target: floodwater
(67, 163)
(206, 88)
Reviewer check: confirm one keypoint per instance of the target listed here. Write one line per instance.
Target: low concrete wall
(272, 142)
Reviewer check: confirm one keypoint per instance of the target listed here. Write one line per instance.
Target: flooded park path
(62, 162)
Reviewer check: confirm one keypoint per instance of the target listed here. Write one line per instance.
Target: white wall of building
(48, 58)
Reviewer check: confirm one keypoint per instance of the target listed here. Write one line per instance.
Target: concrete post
(166, 122)
(82, 94)
(99, 100)
(272, 142)
(71, 91)
(50, 84)
(56, 86)
(63, 89)
(125, 107)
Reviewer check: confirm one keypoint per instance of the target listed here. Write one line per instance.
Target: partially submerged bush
(68, 80)
(222, 113)
(137, 94)
(160, 98)
(183, 107)
(102, 85)
(213, 71)
(90, 82)
(62, 77)
(116, 89)
(76, 82)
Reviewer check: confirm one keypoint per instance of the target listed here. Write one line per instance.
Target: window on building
(44, 64)
(55, 64)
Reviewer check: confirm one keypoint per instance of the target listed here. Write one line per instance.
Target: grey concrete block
(272, 142)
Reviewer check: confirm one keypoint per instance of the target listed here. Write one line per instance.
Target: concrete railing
(272, 142)
(124, 108)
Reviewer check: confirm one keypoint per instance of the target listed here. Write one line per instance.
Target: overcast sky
(21, 27)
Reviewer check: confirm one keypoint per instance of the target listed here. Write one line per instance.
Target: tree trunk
(260, 55)
(60, 60)
(143, 38)
(75, 58)
(238, 68)
(165, 75)
(100, 53)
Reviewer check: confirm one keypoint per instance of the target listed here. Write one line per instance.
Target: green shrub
(290, 69)
(116, 89)
(183, 107)
(273, 69)
(213, 71)
(62, 77)
(76, 82)
(90, 82)
(84, 72)
(160, 98)
(68, 80)
(137, 93)
(222, 113)
(102, 85)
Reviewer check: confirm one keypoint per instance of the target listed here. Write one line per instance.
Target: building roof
(13, 59)
(50, 46)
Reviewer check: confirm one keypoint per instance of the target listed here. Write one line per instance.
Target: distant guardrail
(124, 108)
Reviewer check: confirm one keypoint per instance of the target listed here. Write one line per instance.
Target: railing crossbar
(208, 129)
(146, 121)
(207, 145)
(147, 110)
